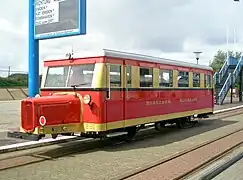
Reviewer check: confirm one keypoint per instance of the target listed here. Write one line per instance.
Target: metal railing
(223, 70)
(237, 70)
(231, 80)
(223, 92)
(215, 78)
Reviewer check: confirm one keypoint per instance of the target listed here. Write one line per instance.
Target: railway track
(183, 164)
(36, 155)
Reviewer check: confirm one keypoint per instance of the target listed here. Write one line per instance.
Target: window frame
(178, 84)
(193, 80)
(120, 84)
(171, 78)
(206, 82)
(152, 79)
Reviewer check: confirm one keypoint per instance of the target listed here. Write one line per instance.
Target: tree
(220, 57)
(15, 80)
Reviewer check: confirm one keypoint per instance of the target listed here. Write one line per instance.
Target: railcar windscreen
(68, 76)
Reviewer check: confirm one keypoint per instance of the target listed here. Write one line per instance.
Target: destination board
(59, 18)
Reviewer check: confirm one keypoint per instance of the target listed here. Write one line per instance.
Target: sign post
(50, 19)
(33, 76)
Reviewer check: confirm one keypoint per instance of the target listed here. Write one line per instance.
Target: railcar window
(183, 79)
(115, 75)
(196, 79)
(81, 75)
(129, 76)
(165, 78)
(56, 76)
(207, 80)
(146, 77)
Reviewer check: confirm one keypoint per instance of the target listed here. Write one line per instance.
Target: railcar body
(115, 92)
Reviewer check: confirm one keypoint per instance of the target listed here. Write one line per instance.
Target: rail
(195, 163)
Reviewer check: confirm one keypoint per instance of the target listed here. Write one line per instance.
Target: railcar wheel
(159, 126)
(54, 136)
(185, 122)
(131, 132)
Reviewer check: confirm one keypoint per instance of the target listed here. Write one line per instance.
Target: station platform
(227, 104)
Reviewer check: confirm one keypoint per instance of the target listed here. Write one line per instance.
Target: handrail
(237, 70)
(225, 88)
(223, 70)
(231, 80)
(228, 80)
(215, 77)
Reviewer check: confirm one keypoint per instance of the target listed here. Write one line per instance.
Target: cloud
(172, 29)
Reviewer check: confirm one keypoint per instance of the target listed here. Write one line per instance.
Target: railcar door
(114, 97)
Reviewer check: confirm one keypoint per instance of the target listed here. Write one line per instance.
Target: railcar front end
(70, 101)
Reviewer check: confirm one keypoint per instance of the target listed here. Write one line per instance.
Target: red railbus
(115, 93)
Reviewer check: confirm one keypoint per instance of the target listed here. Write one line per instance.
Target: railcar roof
(141, 57)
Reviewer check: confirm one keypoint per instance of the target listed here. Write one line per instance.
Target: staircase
(226, 78)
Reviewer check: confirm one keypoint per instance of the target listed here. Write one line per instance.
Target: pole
(240, 87)
(197, 59)
(9, 70)
(227, 41)
(33, 76)
(231, 94)
(234, 42)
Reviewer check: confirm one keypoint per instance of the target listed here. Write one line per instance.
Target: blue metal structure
(226, 78)
(33, 76)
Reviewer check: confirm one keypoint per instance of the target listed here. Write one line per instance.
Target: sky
(171, 29)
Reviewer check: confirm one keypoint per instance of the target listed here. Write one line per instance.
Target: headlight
(87, 99)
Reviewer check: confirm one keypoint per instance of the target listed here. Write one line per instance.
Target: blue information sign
(51, 19)
(59, 18)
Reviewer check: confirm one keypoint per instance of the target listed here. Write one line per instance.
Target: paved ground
(9, 114)
(10, 118)
(109, 162)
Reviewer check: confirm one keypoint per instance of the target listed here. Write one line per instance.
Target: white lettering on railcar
(188, 100)
(159, 102)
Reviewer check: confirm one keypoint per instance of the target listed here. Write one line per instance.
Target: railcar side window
(196, 79)
(183, 79)
(129, 76)
(165, 78)
(146, 77)
(207, 80)
(81, 75)
(115, 75)
(56, 76)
